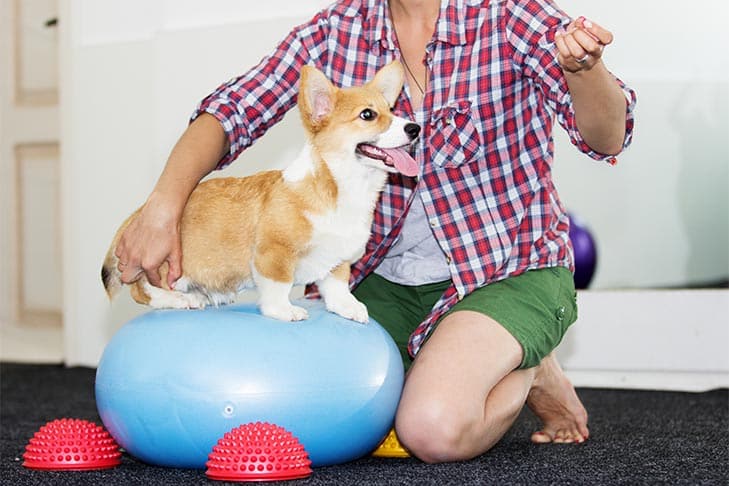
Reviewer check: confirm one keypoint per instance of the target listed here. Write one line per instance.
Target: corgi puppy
(304, 224)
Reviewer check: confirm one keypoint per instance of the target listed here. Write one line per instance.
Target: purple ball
(585, 253)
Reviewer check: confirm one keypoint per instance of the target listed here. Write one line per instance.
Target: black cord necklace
(405, 63)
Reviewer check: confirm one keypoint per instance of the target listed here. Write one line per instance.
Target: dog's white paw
(194, 301)
(172, 299)
(285, 312)
(350, 308)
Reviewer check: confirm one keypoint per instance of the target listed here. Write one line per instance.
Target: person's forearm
(599, 106)
(194, 156)
(153, 236)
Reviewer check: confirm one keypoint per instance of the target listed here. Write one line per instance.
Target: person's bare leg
(462, 393)
(553, 399)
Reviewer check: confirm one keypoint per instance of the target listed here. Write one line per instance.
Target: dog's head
(359, 120)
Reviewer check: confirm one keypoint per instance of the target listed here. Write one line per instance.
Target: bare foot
(552, 398)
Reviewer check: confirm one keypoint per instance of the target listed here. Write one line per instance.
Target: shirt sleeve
(530, 27)
(248, 105)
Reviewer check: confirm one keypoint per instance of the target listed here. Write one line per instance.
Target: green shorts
(536, 307)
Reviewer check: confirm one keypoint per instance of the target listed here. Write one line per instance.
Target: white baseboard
(30, 343)
(640, 339)
(652, 339)
(650, 380)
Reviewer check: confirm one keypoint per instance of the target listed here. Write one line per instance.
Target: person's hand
(151, 239)
(581, 45)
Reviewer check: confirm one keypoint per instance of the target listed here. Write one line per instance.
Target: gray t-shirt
(415, 258)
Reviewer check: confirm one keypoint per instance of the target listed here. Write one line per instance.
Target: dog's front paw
(350, 309)
(285, 312)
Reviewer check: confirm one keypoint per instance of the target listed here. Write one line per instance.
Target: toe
(579, 437)
(559, 436)
(541, 437)
(568, 436)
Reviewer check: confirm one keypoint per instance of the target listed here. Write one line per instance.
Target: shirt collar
(450, 28)
(377, 24)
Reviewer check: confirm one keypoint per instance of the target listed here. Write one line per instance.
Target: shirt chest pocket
(454, 139)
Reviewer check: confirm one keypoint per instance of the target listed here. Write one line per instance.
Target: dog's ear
(389, 81)
(316, 97)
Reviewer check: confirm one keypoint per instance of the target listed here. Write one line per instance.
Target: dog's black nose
(412, 129)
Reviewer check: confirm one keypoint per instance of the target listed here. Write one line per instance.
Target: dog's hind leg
(274, 277)
(145, 293)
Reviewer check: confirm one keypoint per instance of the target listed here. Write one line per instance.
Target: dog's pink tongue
(402, 161)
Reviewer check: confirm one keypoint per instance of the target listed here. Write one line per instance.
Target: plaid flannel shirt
(494, 90)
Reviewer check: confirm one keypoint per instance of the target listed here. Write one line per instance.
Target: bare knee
(433, 434)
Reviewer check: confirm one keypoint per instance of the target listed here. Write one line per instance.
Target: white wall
(649, 339)
(133, 73)
(131, 77)
(661, 217)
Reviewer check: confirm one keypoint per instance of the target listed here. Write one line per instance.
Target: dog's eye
(367, 114)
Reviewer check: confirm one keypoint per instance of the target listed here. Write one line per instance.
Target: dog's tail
(110, 274)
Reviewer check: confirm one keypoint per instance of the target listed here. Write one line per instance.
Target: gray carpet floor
(637, 437)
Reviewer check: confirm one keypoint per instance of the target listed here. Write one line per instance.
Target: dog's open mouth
(399, 158)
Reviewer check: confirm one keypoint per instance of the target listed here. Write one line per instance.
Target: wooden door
(30, 232)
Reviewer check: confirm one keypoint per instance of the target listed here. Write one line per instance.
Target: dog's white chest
(339, 235)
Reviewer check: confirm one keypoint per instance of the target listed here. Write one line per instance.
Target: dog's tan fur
(267, 222)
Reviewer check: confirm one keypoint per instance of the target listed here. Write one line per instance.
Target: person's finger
(130, 273)
(126, 263)
(152, 273)
(121, 249)
(562, 48)
(576, 51)
(174, 271)
(153, 277)
(588, 43)
(597, 32)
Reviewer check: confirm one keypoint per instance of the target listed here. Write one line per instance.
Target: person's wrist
(167, 210)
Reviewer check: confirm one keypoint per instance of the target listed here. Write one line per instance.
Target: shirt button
(448, 259)
(433, 222)
(560, 313)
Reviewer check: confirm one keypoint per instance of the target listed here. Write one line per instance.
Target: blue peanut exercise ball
(171, 383)
(585, 252)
